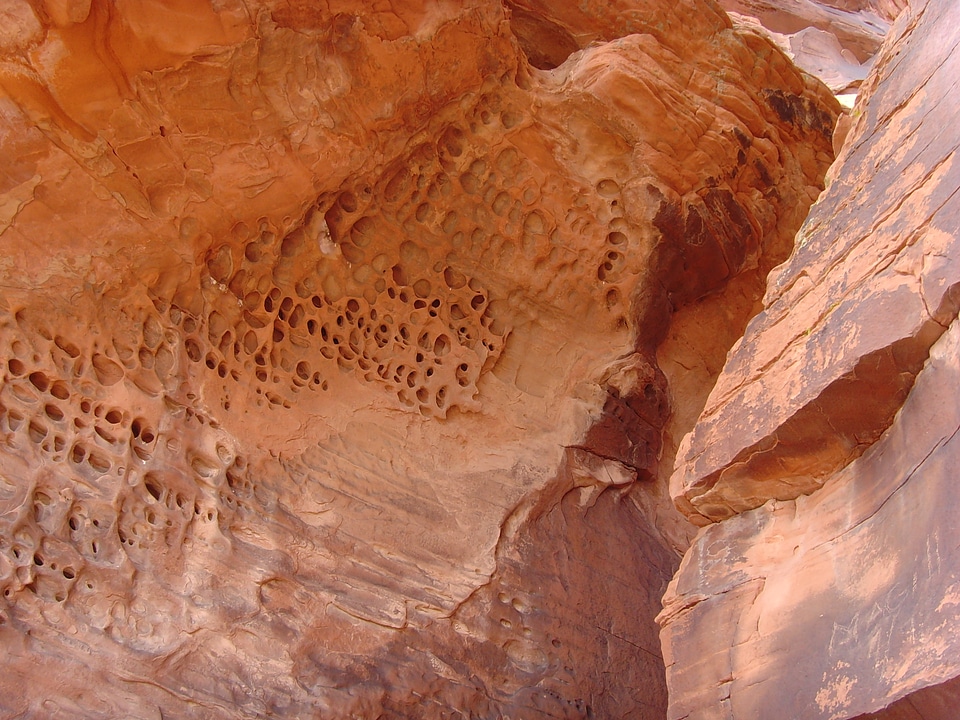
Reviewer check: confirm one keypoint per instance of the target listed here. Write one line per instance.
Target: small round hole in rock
(348, 201)
(98, 463)
(68, 347)
(153, 487)
(303, 370)
(53, 412)
(193, 349)
(59, 390)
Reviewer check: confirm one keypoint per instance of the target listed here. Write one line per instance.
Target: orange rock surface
(848, 321)
(343, 348)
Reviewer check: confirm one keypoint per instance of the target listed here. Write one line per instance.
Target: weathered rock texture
(843, 388)
(858, 25)
(330, 337)
(835, 41)
(849, 319)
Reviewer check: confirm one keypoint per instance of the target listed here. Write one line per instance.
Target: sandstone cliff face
(827, 448)
(332, 338)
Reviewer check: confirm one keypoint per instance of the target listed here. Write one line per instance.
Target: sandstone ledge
(827, 586)
(805, 601)
(849, 318)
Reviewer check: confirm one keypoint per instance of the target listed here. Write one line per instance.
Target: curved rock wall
(858, 25)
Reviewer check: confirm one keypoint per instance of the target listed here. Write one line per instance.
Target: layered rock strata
(849, 319)
(329, 341)
(825, 451)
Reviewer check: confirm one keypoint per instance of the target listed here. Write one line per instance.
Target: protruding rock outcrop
(859, 25)
(848, 321)
(844, 389)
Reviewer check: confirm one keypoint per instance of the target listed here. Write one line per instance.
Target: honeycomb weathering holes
(393, 297)
(392, 281)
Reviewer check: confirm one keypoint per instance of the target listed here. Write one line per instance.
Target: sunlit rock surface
(858, 25)
(834, 40)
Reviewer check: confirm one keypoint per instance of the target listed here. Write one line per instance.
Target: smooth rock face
(820, 53)
(799, 608)
(839, 603)
(331, 344)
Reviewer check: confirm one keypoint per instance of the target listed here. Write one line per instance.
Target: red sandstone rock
(842, 602)
(848, 320)
(820, 53)
(800, 608)
(834, 41)
(330, 344)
